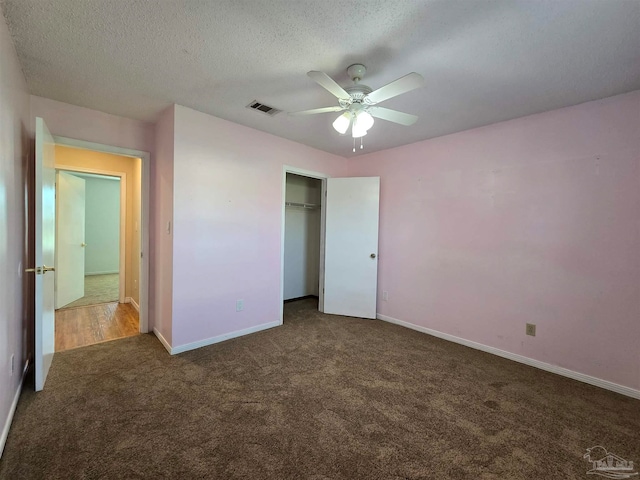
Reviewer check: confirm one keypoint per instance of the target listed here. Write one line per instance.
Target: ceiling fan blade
(393, 115)
(329, 83)
(318, 110)
(402, 85)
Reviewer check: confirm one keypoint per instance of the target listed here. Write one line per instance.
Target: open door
(351, 246)
(45, 230)
(70, 236)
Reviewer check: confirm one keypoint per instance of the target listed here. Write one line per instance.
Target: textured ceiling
(483, 61)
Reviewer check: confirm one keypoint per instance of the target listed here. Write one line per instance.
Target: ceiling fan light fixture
(365, 120)
(362, 123)
(358, 132)
(341, 124)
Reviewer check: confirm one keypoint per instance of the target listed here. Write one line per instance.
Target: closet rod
(301, 205)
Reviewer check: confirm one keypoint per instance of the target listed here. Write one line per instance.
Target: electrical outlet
(385, 296)
(239, 305)
(531, 329)
(13, 364)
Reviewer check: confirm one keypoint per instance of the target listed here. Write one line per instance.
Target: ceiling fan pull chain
(354, 145)
(361, 143)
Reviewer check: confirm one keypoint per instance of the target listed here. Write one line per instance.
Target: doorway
(42, 249)
(303, 218)
(348, 243)
(303, 207)
(90, 242)
(107, 264)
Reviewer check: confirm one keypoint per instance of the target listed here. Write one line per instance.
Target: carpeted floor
(98, 289)
(322, 397)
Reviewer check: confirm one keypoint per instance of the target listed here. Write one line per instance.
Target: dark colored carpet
(322, 397)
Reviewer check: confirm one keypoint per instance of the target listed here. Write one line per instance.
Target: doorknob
(373, 255)
(83, 244)
(40, 270)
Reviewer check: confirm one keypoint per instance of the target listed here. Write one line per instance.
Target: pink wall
(161, 244)
(531, 220)
(14, 155)
(89, 125)
(228, 215)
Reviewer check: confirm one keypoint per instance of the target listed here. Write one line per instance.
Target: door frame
(145, 157)
(123, 219)
(318, 176)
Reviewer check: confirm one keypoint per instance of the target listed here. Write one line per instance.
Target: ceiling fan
(360, 103)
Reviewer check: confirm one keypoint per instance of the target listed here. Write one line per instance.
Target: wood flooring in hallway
(82, 326)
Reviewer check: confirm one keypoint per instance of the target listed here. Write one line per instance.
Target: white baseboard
(163, 340)
(210, 341)
(109, 272)
(132, 302)
(565, 372)
(12, 410)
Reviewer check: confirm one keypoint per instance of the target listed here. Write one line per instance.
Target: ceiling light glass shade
(362, 123)
(341, 124)
(358, 132)
(365, 120)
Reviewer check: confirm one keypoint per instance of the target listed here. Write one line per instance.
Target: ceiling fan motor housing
(356, 72)
(357, 93)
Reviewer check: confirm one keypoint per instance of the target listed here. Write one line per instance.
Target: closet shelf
(308, 206)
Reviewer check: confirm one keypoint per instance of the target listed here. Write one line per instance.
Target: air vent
(266, 109)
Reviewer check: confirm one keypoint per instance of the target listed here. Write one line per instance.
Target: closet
(302, 236)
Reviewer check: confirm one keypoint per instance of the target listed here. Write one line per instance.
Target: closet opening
(302, 255)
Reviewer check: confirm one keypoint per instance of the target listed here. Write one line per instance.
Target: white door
(70, 207)
(45, 230)
(351, 246)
